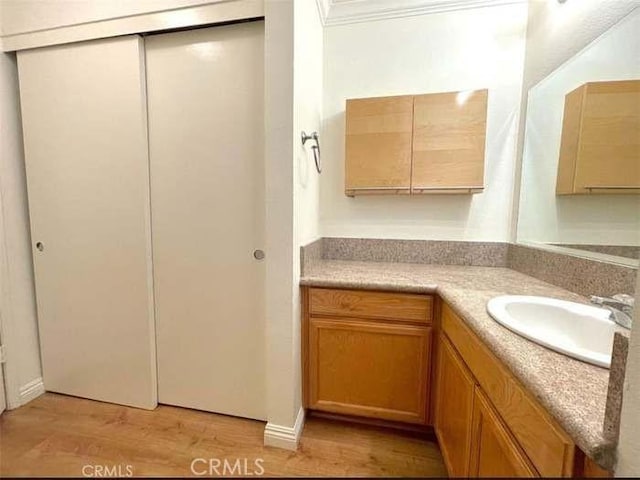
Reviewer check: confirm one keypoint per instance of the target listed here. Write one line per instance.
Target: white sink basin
(579, 331)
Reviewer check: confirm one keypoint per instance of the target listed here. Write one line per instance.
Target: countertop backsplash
(579, 275)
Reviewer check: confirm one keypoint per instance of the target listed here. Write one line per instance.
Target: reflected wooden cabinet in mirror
(600, 146)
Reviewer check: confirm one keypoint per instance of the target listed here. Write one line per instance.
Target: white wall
(588, 219)
(308, 48)
(307, 116)
(17, 295)
(294, 78)
(462, 50)
(280, 341)
(557, 31)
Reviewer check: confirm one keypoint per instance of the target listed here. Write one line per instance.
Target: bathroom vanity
(413, 347)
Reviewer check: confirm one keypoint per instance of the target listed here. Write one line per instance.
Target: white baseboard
(284, 437)
(31, 390)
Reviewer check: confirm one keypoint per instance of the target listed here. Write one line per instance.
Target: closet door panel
(206, 122)
(85, 138)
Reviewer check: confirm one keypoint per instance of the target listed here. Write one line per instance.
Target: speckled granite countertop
(574, 392)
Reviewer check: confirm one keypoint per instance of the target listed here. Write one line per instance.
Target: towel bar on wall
(315, 148)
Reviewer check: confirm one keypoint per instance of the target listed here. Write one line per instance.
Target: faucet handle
(596, 299)
(619, 301)
(624, 298)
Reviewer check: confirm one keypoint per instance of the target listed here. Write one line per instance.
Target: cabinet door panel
(449, 140)
(609, 154)
(545, 443)
(454, 408)
(495, 452)
(378, 144)
(369, 369)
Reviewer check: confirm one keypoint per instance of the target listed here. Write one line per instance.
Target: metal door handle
(258, 254)
(40, 246)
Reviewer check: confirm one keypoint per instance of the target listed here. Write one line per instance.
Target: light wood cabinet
(600, 145)
(549, 448)
(494, 452)
(368, 354)
(378, 145)
(449, 142)
(433, 143)
(369, 369)
(367, 361)
(454, 409)
(379, 305)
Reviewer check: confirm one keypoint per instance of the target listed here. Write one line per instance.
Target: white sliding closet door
(85, 138)
(206, 122)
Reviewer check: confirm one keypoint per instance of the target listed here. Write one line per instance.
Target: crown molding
(323, 9)
(342, 12)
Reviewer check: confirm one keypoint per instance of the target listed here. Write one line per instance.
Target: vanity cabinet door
(454, 409)
(494, 452)
(378, 145)
(369, 368)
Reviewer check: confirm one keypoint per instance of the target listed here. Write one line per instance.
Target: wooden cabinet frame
(363, 320)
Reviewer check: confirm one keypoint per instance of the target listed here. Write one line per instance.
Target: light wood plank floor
(56, 435)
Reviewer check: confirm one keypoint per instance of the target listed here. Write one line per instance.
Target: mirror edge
(588, 255)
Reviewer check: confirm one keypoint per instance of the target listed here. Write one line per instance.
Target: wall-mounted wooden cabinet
(600, 145)
(378, 145)
(367, 354)
(432, 143)
(448, 142)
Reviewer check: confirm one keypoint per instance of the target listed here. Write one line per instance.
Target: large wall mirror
(580, 189)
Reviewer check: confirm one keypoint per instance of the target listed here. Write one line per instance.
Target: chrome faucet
(620, 306)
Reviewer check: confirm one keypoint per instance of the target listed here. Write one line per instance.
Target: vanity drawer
(548, 447)
(374, 305)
